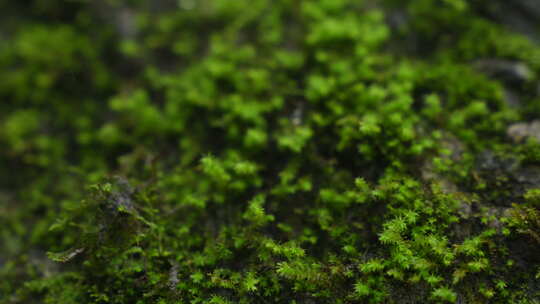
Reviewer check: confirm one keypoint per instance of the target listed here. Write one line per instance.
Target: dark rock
(121, 196)
(512, 98)
(506, 178)
(173, 276)
(456, 147)
(496, 213)
(510, 72)
(529, 177)
(125, 23)
(514, 75)
(488, 161)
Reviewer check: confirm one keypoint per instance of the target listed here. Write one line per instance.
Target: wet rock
(513, 74)
(465, 210)
(496, 213)
(510, 72)
(488, 161)
(505, 178)
(529, 177)
(456, 147)
(512, 98)
(430, 175)
(518, 132)
(173, 276)
(121, 197)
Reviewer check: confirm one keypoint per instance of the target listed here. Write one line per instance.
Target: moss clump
(322, 151)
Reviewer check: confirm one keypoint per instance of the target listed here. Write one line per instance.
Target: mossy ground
(267, 151)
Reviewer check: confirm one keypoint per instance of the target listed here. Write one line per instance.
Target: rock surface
(519, 132)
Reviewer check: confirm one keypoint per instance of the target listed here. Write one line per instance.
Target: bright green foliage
(533, 197)
(444, 294)
(265, 151)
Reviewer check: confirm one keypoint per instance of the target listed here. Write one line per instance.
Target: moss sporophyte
(269, 151)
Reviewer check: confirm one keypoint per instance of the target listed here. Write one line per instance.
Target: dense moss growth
(268, 151)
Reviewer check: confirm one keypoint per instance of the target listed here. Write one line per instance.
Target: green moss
(265, 152)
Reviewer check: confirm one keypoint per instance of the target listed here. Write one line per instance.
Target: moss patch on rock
(268, 151)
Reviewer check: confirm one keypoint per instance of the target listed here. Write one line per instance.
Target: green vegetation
(267, 151)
